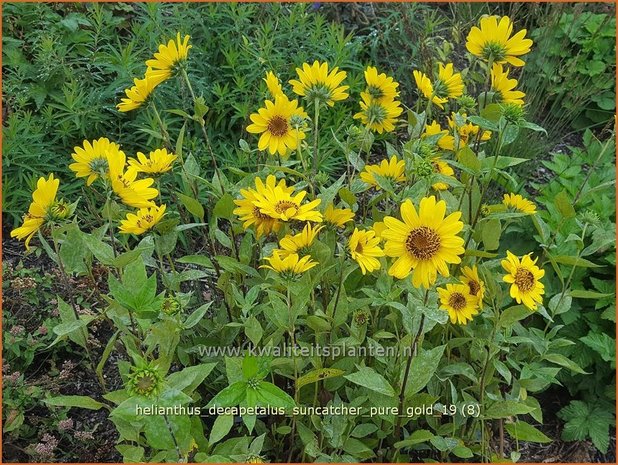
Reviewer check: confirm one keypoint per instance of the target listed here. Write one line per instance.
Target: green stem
(164, 133)
(402, 392)
(485, 185)
(205, 134)
(69, 292)
(316, 155)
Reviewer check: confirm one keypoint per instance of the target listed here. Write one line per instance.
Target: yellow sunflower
(380, 87)
(504, 87)
(315, 82)
(476, 287)
(43, 208)
(424, 243)
(273, 84)
(364, 248)
(139, 94)
(517, 202)
(493, 41)
(250, 213)
(338, 217)
(441, 167)
(468, 132)
(167, 59)
(426, 88)
(132, 192)
(447, 85)
(157, 162)
(458, 302)
(281, 204)
(289, 266)
(143, 220)
(524, 277)
(92, 160)
(298, 243)
(393, 170)
(378, 115)
(379, 227)
(446, 142)
(273, 121)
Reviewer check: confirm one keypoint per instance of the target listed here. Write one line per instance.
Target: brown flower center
(359, 248)
(457, 300)
(524, 279)
(283, 206)
(423, 242)
(258, 214)
(474, 286)
(278, 126)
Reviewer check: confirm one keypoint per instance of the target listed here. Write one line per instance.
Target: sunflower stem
(69, 291)
(164, 133)
(316, 104)
(485, 185)
(413, 347)
(484, 373)
(292, 331)
(205, 134)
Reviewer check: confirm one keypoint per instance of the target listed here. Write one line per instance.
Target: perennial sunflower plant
(396, 238)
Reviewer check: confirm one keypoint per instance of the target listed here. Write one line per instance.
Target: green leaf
(106, 353)
(574, 261)
(507, 408)
(583, 420)
(196, 316)
(502, 162)
(369, 378)
(462, 452)
(192, 205)
(522, 431)
(220, 428)
(131, 454)
(272, 395)
(560, 304)
(316, 375)
(102, 251)
(469, 159)
(200, 260)
(356, 448)
(417, 437)
(224, 207)
(561, 360)
(253, 330)
(564, 205)
(582, 294)
(513, 314)
(482, 122)
(67, 315)
(602, 344)
(492, 229)
(74, 401)
(188, 379)
(230, 396)
(422, 369)
(363, 430)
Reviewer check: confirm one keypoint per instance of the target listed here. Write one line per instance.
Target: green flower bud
(361, 317)
(171, 306)
(423, 168)
(145, 381)
(466, 103)
(513, 112)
